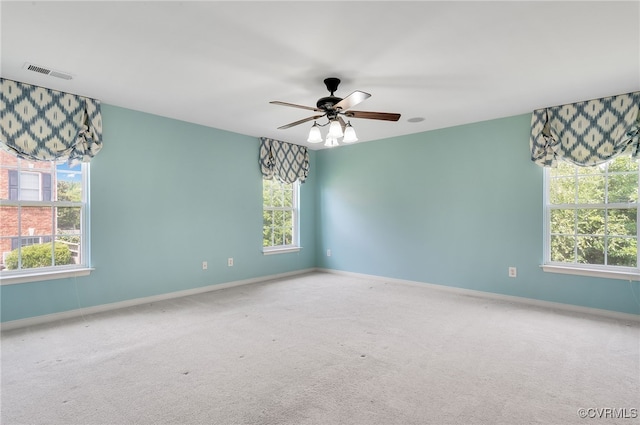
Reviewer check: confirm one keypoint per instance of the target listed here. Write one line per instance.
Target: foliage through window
(280, 214)
(591, 215)
(43, 219)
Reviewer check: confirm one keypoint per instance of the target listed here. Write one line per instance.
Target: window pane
(68, 183)
(623, 222)
(590, 249)
(563, 169)
(9, 220)
(278, 218)
(278, 200)
(562, 221)
(278, 236)
(562, 190)
(267, 235)
(267, 218)
(64, 253)
(66, 173)
(271, 197)
(591, 222)
(622, 252)
(623, 188)
(562, 249)
(68, 219)
(287, 219)
(622, 164)
(288, 198)
(288, 237)
(591, 189)
(36, 221)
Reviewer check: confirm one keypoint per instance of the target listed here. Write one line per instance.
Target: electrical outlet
(230, 262)
(513, 272)
(204, 265)
(328, 253)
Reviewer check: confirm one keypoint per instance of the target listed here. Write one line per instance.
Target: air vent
(47, 71)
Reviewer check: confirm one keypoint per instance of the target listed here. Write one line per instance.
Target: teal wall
(452, 207)
(165, 196)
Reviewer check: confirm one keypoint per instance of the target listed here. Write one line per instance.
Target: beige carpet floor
(324, 349)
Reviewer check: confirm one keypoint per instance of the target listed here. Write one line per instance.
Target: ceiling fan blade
(293, 124)
(352, 100)
(386, 116)
(293, 105)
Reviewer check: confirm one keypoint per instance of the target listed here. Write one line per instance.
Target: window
(591, 217)
(280, 216)
(43, 217)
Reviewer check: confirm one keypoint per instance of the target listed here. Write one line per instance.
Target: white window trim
(58, 272)
(295, 246)
(607, 272)
(281, 250)
(631, 275)
(42, 275)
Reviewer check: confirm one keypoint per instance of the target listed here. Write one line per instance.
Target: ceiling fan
(335, 108)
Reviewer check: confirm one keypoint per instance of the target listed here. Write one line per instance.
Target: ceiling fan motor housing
(327, 103)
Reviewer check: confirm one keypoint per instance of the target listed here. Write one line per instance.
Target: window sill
(41, 276)
(285, 250)
(607, 274)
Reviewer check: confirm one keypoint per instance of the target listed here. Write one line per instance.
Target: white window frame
(8, 277)
(592, 270)
(295, 209)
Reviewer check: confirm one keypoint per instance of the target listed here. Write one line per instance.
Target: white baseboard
(522, 300)
(47, 318)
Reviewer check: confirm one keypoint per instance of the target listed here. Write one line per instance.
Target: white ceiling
(220, 63)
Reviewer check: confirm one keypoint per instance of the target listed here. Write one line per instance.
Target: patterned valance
(42, 124)
(285, 161)
(586, 133)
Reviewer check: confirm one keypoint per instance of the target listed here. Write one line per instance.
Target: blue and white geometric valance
(586, 133)
(42, 124)
(285, 161)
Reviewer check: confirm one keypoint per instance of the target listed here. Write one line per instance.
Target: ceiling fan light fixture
(331, 142)
(349, 134)
(314, 134)
(335, 129)
(334, 109)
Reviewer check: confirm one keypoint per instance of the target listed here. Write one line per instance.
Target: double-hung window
(43, 217)
(280, 212)
(591, 219)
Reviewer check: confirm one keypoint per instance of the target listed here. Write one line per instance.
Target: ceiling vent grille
(47, 71)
